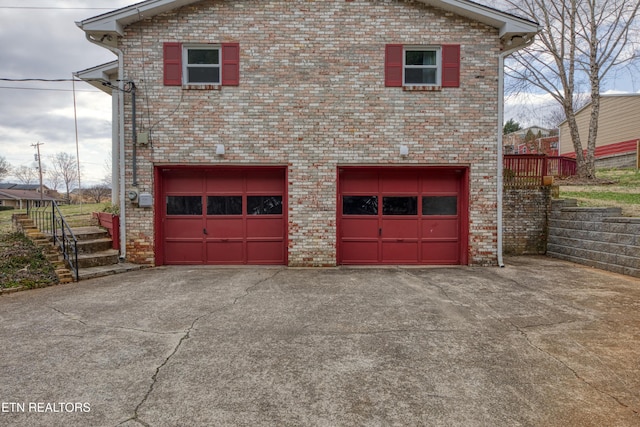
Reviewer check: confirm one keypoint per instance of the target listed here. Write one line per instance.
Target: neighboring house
(26, 187)
(618, 131)
(544, 143)
(307, 133)
(19, 196)
(21, 199)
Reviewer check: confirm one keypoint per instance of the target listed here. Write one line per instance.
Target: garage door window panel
(264, 205)
(360, 205)
(400, 205)
(224, 205)
(184, 205)
(439, 205)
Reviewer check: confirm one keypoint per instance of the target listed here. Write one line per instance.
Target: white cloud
(46, 44)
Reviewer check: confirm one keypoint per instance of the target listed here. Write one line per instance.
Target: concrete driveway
(538, 343)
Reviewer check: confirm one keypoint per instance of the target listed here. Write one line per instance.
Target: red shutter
(451, 65)
(173, 64)
(230, 64)
(393, 61)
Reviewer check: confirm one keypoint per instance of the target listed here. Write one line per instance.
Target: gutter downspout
(500, 169)
(123, 222)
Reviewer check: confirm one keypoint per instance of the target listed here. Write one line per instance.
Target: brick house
(308, 133)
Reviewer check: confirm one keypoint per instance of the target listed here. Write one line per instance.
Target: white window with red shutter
(204, 65)
(422, 66)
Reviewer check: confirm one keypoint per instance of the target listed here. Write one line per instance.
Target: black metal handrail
(50, 220)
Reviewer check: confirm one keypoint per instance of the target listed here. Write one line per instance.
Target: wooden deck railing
(529, 170)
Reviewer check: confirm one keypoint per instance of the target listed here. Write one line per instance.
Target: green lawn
(76, 215)
(623, 191)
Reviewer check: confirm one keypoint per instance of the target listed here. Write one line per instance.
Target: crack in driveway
(70, 317)
(154, 377)
(248, 290)
(573, 371)
(101, 325)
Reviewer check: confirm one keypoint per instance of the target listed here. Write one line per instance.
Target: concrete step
(64, 275)
(95, 245)
(108, 257)
(53, 257)
(42, 242)
(107, 270)
(90, 233)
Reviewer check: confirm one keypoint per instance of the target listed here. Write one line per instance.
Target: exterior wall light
(220, 149)
(404, 151)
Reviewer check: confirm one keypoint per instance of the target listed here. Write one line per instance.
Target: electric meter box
(145, 200)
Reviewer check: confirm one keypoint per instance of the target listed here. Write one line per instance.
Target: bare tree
(53, 179)
(64, 167)
(107, 179)
(5, 168)
(98, 192)
(26, 175)
(580, 43)
(555, 114)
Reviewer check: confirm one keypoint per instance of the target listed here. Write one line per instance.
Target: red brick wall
(312, 96)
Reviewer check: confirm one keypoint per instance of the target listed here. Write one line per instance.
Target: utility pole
(75, 120)
(37, 145)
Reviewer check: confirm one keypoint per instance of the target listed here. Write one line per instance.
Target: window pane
(184, 205)
(420, 57)
(203, 56)
(400, 205)
(359, 205)
(425, 76)
(264, 205)
(224, 205)
(204, 74)
(439, 205)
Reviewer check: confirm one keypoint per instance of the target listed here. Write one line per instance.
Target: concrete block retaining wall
(598, 237)
(627, 160)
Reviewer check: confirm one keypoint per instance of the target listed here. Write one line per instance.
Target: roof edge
(114, 22)
(99, 75)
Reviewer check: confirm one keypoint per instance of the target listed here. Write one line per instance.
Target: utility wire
(55, 8)
(4, 79)
(42, 80)
(52, 90)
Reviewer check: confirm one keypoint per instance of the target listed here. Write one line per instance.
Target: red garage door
(223, 216)
(402, 216)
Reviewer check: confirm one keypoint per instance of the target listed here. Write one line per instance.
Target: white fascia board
(114, 22)
(507, 24)
(95, 76)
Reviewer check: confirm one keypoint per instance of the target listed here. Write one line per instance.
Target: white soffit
(95, 76)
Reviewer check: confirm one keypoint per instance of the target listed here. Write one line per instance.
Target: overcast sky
(39, 40)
